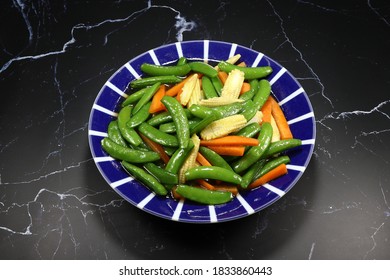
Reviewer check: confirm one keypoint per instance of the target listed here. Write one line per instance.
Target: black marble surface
(56, 55)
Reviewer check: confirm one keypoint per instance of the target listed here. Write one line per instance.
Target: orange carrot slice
(232, 140)
(278, 171)
(228, 150)
(280, 119)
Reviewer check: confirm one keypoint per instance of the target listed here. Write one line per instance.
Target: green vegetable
(115, 134)
(162, 175)
(129, 134)
(250, 93)
(262, 94)
(159, 70)
(134, 97)
(269, 165)
(179, 118)
(148, 94)
(158, 136)
(143, 176)
(249, 72)
(141, 116)
(255, 153)
(213, 172)
(281, 146)
(204, 196)
(214, 158)
(148, 81)
(203, 68)
(208, 88)
(178, 158)
(128, 154)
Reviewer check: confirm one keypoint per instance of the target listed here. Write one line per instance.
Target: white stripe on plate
(257, 60)
(103, 159)
(206, 50)
(104, 110)
(116, 89)
(97, 133)
(296, 167)
(232, 50)
(275, 190)
(301, 118)
(176, 214)
(179, 49)
(121, 182)
(308, 142)
(154, 57)
(278, 75)
(146, 200)
(213, 215)
(291, 96)
(132, 71)
(243, 202)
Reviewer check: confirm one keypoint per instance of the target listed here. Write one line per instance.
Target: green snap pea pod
(208, 88)
(281, 146)
(179, 118)
(250, 130)
(255, 153)
(214, 158)
(141, 116)
(197, 127)
(204, 196)
(169, 150)
(200, 111)
(162, 175)
(158, 136)
(247, 178)
(148, 94)
(160, 70)
(250, 110)
(271, 164)
(249, 72)
(213, 172)
(230, 109)
(171, 127)
(129, 134)
(262, 94)
(148, 81)
(178, 158)
(250, 93)
(218, 85)
(182, 60)
(134, 97)
(128, 154)
(143, 176)
(165, 117)
(115, 134)
(203, 68)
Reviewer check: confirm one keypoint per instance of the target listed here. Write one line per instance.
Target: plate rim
(197, 221)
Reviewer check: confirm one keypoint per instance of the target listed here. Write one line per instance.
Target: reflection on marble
(56, 55)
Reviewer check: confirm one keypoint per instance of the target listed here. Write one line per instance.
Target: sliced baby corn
(233, 84)
(218, 101)
(191, 159)
(275, 130)
(197, 94)
(188, 89)
(258, 118)
(223, 127)
(232, 60)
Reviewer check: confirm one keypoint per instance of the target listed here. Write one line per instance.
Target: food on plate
(201, 132)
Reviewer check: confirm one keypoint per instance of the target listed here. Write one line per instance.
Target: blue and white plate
(289, 93)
